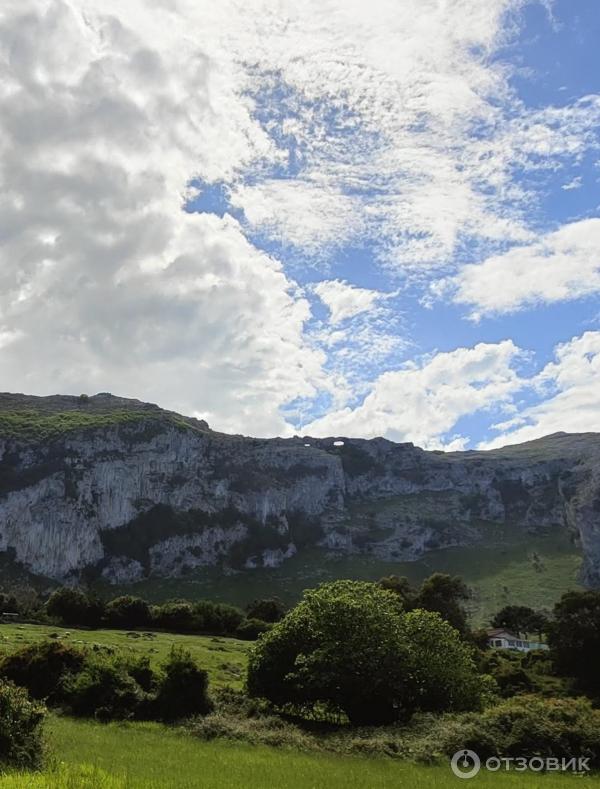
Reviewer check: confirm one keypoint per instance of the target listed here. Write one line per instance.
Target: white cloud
(385, 122)
(561, 266)
(574, 183)
(572, 403)
(105, 283)
(423, 403)
(345, 300)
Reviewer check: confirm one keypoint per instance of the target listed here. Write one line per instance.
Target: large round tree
(348, 646)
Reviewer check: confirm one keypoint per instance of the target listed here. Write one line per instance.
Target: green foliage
(224, 658)
(349, 647)
(520, 619)
(217, 618)
(178, 615)
(107, 685)
(183, 688)
(446, 595)
(74, 607)
(251, 629)
(105, 689)
(574, 639)
(526, 726)
(42, 668)
(440, 673)
(128, 612)
(21, 743)
(268, 609)
(35, 425)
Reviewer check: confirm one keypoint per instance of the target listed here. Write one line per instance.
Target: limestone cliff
(125, 489)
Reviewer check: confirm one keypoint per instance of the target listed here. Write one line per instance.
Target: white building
(500, 638)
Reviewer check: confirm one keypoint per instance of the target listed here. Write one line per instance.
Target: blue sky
(345, 218)
(555, 61)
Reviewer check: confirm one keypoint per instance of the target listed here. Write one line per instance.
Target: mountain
(121, 490)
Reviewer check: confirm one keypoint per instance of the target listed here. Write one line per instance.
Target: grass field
(223, 658)
(511, 567)
(149, 756)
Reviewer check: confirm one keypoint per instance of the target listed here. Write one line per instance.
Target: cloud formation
(561, 266)
(390, 126)
(568, 395)
(423, 402)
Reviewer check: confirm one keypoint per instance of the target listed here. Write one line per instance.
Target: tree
(217, 617)
(400, 585)
(574, 639)
(74, 607)
(128, 611)
(21, 736)
(183, 688)
(445, 594)
(267, 610)
(176, 615)
(349, 647)
(520, 619)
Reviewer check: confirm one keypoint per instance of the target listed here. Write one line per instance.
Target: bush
(74, 607)
(218, 618)
(348, 647)
(105, 689)
(42, 668)
(183, 688)
(251, 629)
(128, 612)
(176, 615)
(267, 610)
(527, 726)
(21, 743)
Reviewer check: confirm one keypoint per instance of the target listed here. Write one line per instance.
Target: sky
(332, 218)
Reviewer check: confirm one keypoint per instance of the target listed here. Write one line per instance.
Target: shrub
(218, 618)
(348, 647)
(267, 610)
(182, 689)
(527, 726)
(128, 612)
(105, 689)
(176, 615)
(21, 743)
(74, 607)
(42, 668)
(251, 629)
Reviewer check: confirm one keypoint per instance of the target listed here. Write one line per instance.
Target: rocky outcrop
(127, 490)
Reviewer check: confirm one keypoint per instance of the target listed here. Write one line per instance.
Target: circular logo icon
(465, 764)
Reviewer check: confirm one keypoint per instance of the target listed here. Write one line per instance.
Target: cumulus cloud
(423, 402)
(106, 283)
(568, 389)
(561, 266)
(345, 300)
(386, 124)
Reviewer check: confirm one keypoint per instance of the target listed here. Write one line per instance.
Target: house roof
(501, 631)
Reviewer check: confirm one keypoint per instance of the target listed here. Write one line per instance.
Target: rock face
(125, 490)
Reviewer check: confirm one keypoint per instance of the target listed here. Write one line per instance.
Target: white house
(500, 638)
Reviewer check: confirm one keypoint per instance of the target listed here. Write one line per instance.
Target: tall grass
(149, 756)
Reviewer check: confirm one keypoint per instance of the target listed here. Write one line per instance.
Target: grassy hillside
(223, 658)
(29, 418)
(511, 567)
(150, 756)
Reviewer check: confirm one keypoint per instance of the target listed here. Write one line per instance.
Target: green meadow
(90, 755)
(223, 658)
